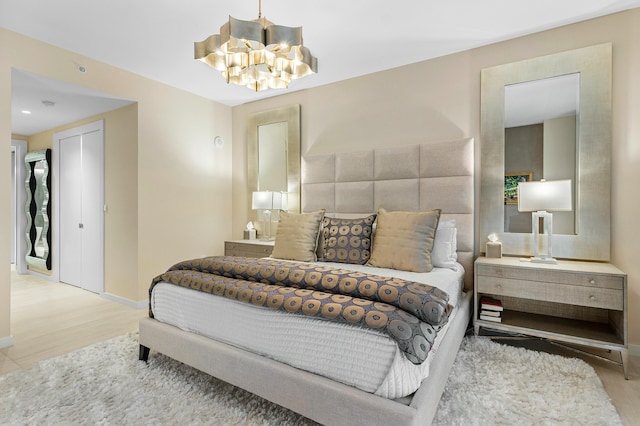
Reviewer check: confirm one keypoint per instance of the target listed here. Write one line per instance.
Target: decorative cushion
(297, 236)
(445, 246)
(347, 240)
(404, 240)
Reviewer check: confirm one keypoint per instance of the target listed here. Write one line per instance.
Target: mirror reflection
(541, 135)
(272, 157)
(38, 209)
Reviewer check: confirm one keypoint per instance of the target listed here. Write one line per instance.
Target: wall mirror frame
(593, 187)
(291, 116)
(38, 209)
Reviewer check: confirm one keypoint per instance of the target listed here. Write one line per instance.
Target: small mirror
(38, 209)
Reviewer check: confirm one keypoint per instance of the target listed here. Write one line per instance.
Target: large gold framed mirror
(273, 153)
(588, 158)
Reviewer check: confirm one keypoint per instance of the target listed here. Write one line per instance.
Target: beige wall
(439, 99)
(183, 184)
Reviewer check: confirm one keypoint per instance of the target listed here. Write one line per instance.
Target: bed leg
(144, 353)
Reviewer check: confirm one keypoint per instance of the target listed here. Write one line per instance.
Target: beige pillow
(404, 240)
(297, 236)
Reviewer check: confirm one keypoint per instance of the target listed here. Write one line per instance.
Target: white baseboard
(41, 275)
(132, 303)
(6, 342)
(634, 350)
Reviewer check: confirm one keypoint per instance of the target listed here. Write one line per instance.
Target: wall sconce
(540, 198)
(268, 201)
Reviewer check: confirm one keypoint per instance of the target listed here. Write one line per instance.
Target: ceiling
(154, 38)
(39, 103)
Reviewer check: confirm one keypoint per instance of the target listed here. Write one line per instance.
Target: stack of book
(490, 309)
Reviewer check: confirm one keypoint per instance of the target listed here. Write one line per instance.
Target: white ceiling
(30, 92)
(154, 38)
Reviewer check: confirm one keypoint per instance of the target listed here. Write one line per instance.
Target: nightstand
(583, 303)
(248, 248)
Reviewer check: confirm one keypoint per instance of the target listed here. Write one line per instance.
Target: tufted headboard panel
(404, 178)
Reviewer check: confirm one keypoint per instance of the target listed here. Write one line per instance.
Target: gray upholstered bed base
(313, 396)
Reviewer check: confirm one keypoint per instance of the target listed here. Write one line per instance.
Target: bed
(400, 383)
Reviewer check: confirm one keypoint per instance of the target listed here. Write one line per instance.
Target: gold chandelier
(257, 54)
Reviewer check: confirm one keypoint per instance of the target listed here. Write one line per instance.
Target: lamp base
(537, 259)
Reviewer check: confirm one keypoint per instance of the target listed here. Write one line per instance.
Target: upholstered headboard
(403, 178)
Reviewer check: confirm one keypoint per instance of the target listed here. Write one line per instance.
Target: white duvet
(366, 359)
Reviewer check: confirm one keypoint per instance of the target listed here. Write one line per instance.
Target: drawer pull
(592, 281)
(592, 298)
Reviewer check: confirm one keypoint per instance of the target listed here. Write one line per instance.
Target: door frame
(55, 159)
(19, 197)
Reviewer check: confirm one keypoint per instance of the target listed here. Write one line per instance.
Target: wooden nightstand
(583, 303)
(248, 248)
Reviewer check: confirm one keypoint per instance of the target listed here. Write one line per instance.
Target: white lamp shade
(553, 195)
(262, 200)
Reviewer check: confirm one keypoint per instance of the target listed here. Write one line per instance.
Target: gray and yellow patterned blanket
(410, 313)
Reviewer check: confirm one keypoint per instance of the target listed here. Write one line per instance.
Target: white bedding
(366, 359)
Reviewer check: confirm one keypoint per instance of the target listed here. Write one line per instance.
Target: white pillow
(444, 254)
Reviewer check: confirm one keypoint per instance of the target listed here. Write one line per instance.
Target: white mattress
(366, 359)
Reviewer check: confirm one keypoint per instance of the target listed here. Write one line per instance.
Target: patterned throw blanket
(410, 313)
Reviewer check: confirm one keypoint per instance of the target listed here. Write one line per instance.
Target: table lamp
(541, 198)
(268, 201)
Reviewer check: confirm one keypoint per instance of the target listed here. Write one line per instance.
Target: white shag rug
(105, 384)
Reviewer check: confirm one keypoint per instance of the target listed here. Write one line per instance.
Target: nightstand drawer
(247, 249)
(580, 295)
(553, 276)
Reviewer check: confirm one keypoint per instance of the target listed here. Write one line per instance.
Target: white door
(80, 166)
(70, 196)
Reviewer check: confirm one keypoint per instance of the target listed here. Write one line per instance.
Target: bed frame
(409, 178)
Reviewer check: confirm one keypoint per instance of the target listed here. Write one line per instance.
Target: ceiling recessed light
(24, 111)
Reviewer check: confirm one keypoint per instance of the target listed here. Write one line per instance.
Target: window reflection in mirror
(541, 122)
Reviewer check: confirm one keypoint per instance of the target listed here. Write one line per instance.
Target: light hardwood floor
(50, 319)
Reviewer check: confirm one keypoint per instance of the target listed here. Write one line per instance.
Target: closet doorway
(78, 158)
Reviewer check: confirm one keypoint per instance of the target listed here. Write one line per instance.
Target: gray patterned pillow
(347, 240)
